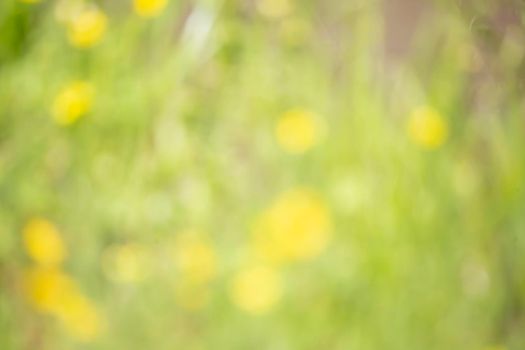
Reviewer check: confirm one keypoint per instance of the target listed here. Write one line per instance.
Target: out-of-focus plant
(268, 174)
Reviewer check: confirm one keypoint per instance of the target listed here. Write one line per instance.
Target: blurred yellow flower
(43, 242)
(45, 288)
(256, 289)
(51, 291)
(126, 263)
(427, 128)
(73, 102)
(274, 8)
(149, 8)
(80, 317)
(296, 227)
(195, 258)
(87, 28)
(297, 131)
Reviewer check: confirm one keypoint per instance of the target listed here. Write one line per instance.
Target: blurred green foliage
(426, 223)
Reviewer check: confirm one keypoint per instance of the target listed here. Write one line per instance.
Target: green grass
(427, 248)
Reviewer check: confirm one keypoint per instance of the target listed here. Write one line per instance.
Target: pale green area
(428, 249)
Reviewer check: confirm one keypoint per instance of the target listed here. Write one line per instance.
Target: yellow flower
(149, 8)
(80, 317)
(274, 8)
(296, 227)
(87, 28)
(73, 102)
(45, 288)
(126, 263)
(43, 242)
(195, 257)
(256, 289)
(51, 291)
(297, 131)
(427, 128)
